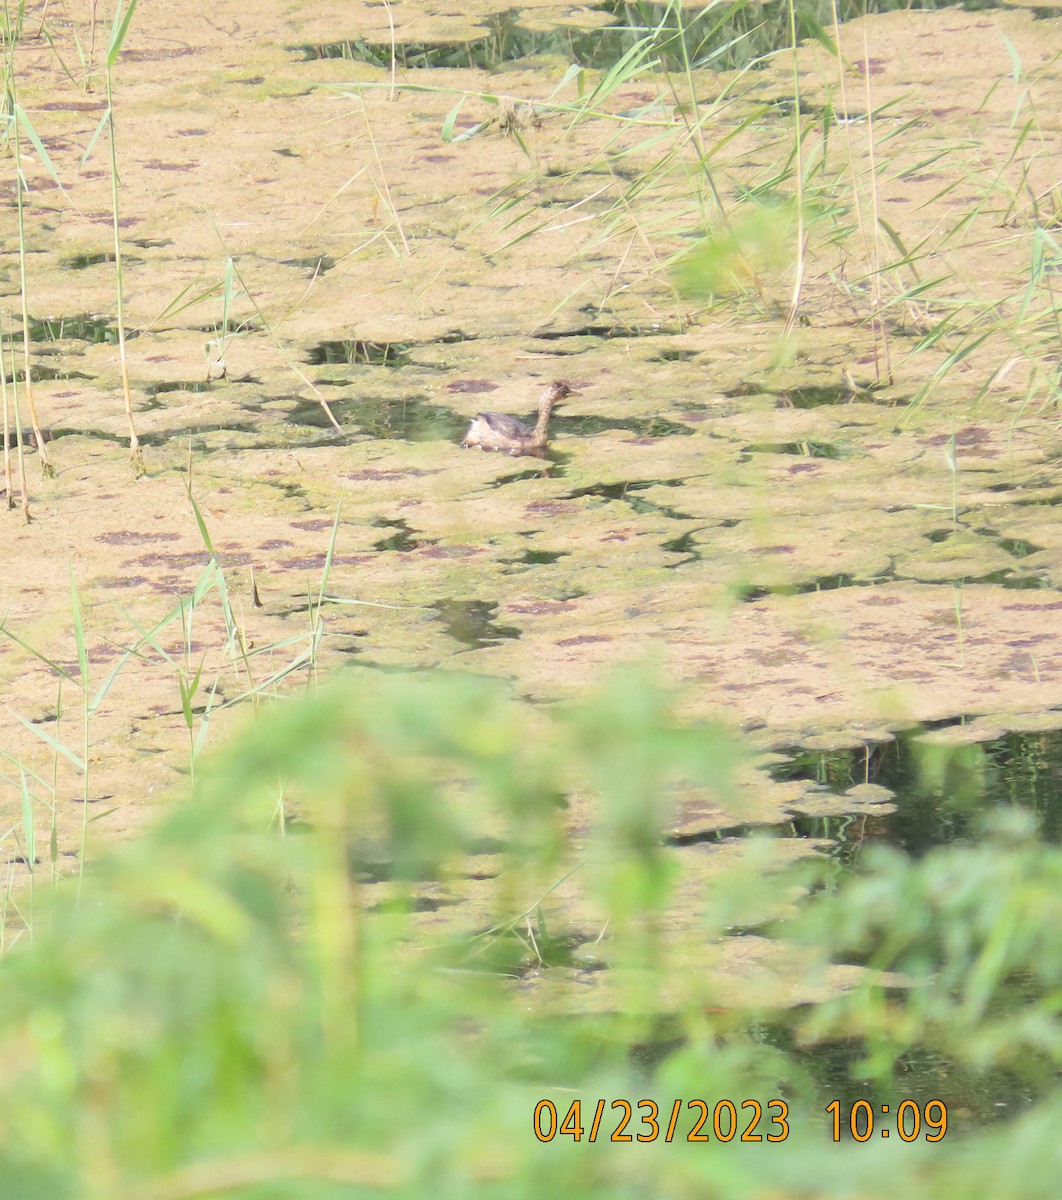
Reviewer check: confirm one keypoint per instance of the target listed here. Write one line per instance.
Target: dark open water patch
(85, 328)
(627, 491)
(672, 36)
(750, 593)
(79, 262)
(234, 327)
(195, 386)
(941, 792)
(471, 622)
(351, 352)
(502, 40)
(1018, 547)
(651, 426)
(686, 545)
(541, 558)
(551, 469)
(404, 537)
(412, 419)
(921, 1075)
(816, 396)
(811, 397)
(1021, 581)
(42, 374)
(1014, 546)
(315, 264)
(803, 449)
(609, 331)
(1051, 500)
(832, 1070)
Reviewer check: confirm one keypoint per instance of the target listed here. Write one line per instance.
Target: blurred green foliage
(760, 239)
(245, 1006)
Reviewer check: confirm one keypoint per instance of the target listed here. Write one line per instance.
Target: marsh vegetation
(341, 850)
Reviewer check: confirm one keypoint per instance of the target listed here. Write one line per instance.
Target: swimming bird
(507, 435)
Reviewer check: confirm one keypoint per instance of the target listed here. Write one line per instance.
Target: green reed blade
(119, 29)
(47, 738)
(29, 833)
(48, 662)
(79, 632)
(102, 124)
(27, 128)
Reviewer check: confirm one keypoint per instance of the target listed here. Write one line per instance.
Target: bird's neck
(541, 430)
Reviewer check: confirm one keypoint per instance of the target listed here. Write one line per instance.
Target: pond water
(819, 489)
(940, 791)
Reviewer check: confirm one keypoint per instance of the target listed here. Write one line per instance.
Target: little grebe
(507, 435)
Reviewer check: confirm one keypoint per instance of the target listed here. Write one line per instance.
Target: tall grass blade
(48, 740)
(79, 633)
(119, 28)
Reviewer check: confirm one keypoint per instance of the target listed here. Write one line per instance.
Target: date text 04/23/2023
(757, 1122)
